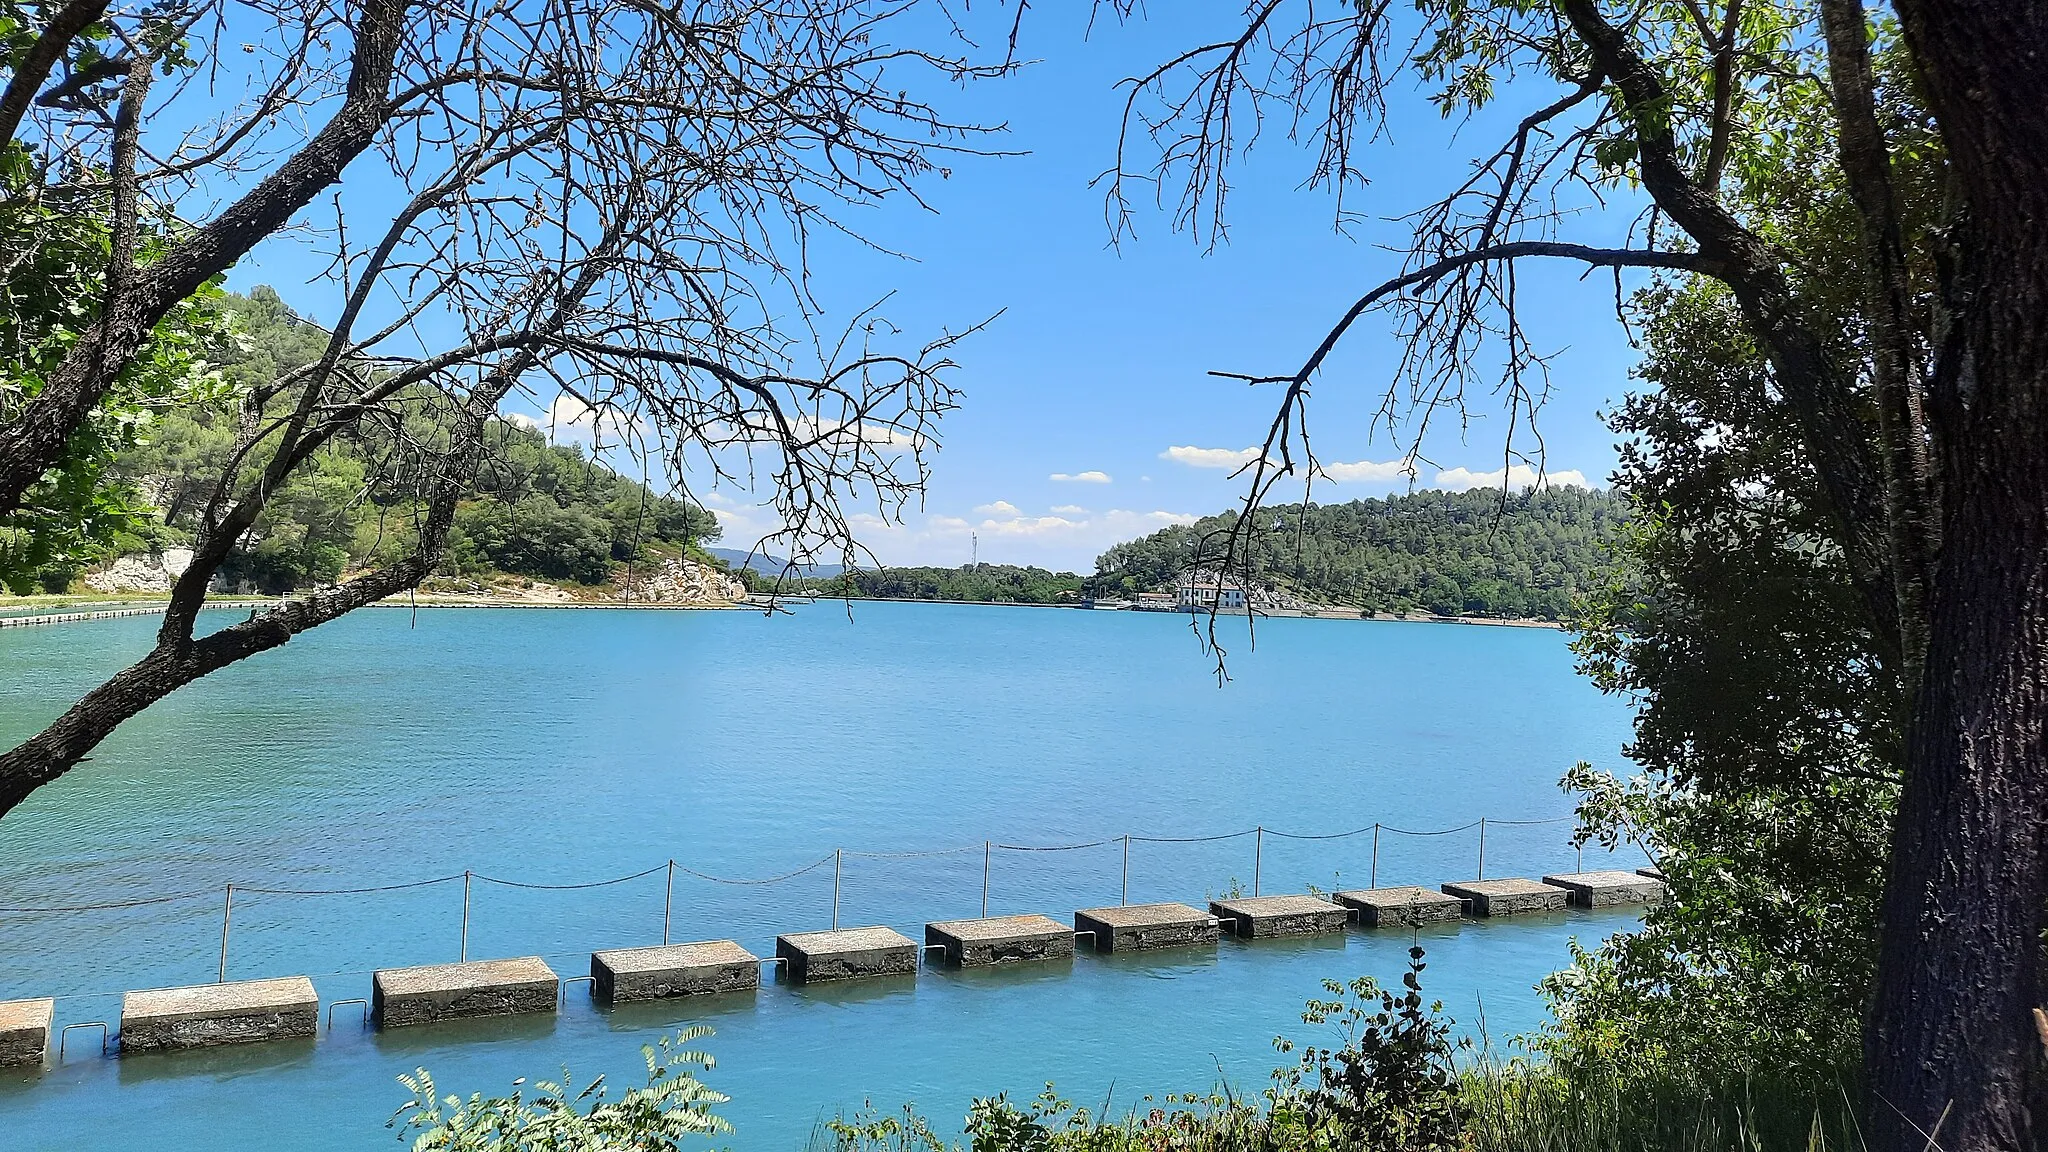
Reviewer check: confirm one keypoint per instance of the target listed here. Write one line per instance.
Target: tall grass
(1519, 1107)
(1507, 1105)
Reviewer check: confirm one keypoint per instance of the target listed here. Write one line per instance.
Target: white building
(1202, 591)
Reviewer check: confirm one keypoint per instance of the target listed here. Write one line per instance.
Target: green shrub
(556, 1118)
(1392, 1082)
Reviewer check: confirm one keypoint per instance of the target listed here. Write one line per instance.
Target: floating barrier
(229, 1012)
(29, 620)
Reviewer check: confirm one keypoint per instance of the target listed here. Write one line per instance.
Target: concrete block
(1507, 897)
(1605, 889)
(625, 974)
(1001, 939)
(1404, 907)
(204, 1015)
(25, 1031)
(846, 954)
(1265, 917)
(405, 996)
(1137, 927)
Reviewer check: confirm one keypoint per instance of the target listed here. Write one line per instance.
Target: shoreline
(23, 611)
(1325, 613)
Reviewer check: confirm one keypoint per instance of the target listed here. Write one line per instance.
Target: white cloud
(847, 432)
(1069, 510)
(1368, 472)
(1072, 538)
(1195, 457)
(1519, 476)
(568, 419)
(1089, 477)
(999, 508)
(1028, 525)
(740, 524)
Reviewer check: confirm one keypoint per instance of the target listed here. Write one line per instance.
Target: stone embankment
(683, 581)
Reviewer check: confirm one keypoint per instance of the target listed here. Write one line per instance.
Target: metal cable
(1051, 847)
(348, 891)
(1325, 836)
(821, 862)
(1438, 832)
(570, 887)
(1190, 839)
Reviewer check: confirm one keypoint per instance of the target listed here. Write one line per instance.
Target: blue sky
(1088, 415)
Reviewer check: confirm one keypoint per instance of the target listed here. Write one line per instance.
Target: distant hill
(535, 510)
(771, 566)
(1482, 553)
(969, 583)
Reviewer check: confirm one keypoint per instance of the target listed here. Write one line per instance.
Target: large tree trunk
(1951, 1048)
(1951, 1042)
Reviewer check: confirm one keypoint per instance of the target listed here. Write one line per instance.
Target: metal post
(1482, 848)
(1258, 857)
(465, 916)
(838, 859)
(984, 879)
(668, 901)
(1582, 857)
(1126, 897)
(227, 915)
(1375, 881)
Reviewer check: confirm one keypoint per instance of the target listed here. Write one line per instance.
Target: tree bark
(36, 64)
(1951, 1055)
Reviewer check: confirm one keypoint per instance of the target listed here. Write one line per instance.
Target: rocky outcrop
(143, 572)
(683, 581)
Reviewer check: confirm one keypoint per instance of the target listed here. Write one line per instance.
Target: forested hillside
(969, 583)
(1451, 553)
(539, 510)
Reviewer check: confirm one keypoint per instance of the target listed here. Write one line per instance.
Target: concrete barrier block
(626, 974)
(400, 997)
(1606, 889)
(241, 1012)
(1404, 907)
(1139, 927)
(1266, 917)
(1001, 939)
(1507, 897)
(846, 954)
(25, 1031)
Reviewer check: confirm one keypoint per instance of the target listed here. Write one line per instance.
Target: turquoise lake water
(554, 747)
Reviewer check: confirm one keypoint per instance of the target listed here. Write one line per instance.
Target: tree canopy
(1757, 143)
(535, 508)
(1485, 552)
